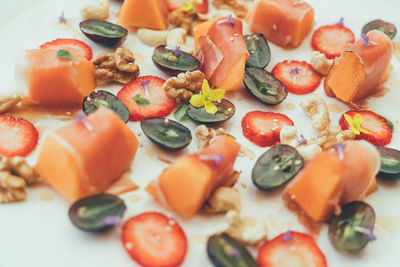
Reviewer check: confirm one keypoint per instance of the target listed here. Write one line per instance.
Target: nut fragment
(186, 21)
(118, 67)
(317, 109)
(207, 135)
(223, 200)
(184, 85)
(236, 6)
(320, 63)
(15, 174)
(8, 101)
(152, 37)
(309, 151)
(177, 37)
(246, 229)
(96, 11)
(288, 135)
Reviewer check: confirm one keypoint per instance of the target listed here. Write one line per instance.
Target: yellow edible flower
(207, 97)
(355, 124)
(187, 7)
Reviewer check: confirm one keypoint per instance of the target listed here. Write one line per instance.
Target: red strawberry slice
(18, 137)
(146, 98)
(263, 128)
(299, 77)
(291, 249)
(64, 43)
(198, 8)
(154, 240)
(331, 40)
(380, 133)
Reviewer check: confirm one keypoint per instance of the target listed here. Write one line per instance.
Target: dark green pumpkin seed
(344, 229)
(225, 111)
(388, 28)
(225, 251)
(260, 53)
(103, 32)
(276, 167)
(165, 60)
(264, 86)
(390, 163)
(97, 213)
(166, 133)
(105, 99)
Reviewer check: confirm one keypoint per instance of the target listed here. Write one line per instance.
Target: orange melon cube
(361, 70)
(150, 14)
(78, 162)
(190, 180)
(55, 82)
(329, 181)
(284, 22)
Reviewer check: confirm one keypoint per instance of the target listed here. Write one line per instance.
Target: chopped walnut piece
(186, 21)
(96, 11)
(118, 67)
(317, 109)
(328, 138)
(207, 135)
(245, 229)
(223, 200)
(236, 6)
(8, 101)
(184, 85)
(15, 174)
(320, 63)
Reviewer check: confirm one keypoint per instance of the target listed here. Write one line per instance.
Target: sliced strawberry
(331, 40)
(64, 43)
(263, 128)
(198, 8)
(149, 103)
(291, 249)
(154, 240)
(18, 137)
(380, 133)
(299, 77)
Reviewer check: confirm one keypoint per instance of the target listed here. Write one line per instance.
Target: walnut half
(236, 6)
(15, 174)
(184, 85)
(118, 67)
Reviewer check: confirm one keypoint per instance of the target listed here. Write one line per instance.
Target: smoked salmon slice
(190, 180)
(78, 161)
(49, 81)
(222, 52)
(284, 22)
(335, 178)
(363, 67)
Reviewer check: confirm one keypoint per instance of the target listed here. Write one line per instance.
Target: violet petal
(339, 149)
(229, 20)
(177, 51)
(367, 231)
(62, 18)
(288, 236)
(81, 117)
(215, 158)
(145, 84)
(112, 220)
(303, 141)
(341, 22)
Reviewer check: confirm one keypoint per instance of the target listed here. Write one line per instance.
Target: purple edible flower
(215, 158)
(145, 84)
(62, 19)
(367, 231)
(235, 253)
(302, 141)
(339, 149)
(341, 22)
(177, 51)
(81, 117)
(288, 236)
(112, 220)
(366, 40)
(229, 20)
(294, 72)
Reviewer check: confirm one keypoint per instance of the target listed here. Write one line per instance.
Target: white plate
(38, 233)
